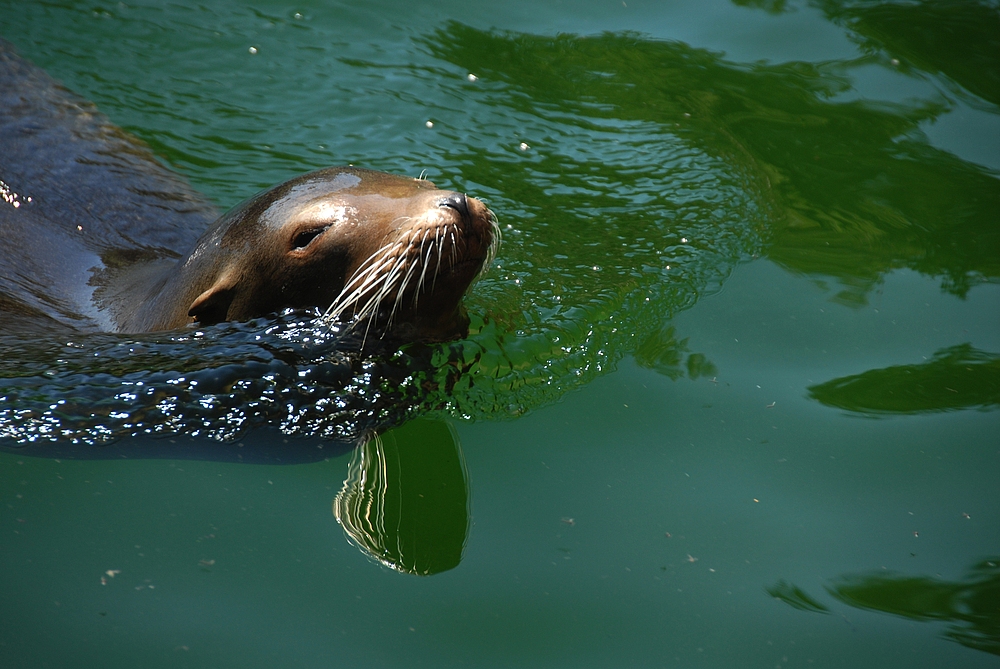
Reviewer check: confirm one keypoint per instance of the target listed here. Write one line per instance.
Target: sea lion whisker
(380, 251)
(491, 250)
(425, 260)
(394, 228)
(372, 265)
(354, 298)
(366, 268)
(423, 240)
(384, 292)
(420, 257)
(366, 276)
(371, 306)
(383, 277)
(398, 266)
(370, 309)
(440, 247)
(402, 289)
(421, 285)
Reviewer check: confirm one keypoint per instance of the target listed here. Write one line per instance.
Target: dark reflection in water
(970, 606)
(795, 597)
(878, 195)
(405, 501)
(959, 377)
(672, 358)
(856, 190)
(957, 38)
(661, 165)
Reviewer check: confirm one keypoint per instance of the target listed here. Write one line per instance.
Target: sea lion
(95, 234)
(391, 251)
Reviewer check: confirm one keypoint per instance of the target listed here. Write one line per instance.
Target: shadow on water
(970, 606)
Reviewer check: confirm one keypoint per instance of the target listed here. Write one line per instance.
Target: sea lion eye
(304, 238)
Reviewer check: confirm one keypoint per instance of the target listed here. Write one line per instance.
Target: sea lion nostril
(458, 202)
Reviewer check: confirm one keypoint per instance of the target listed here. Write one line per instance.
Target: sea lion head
(393, 252)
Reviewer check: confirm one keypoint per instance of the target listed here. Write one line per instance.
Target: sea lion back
(78, 196)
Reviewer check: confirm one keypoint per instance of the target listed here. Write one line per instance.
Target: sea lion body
(76, 194)
(95, 234)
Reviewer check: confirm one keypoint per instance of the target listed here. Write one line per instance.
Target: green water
(735, 386)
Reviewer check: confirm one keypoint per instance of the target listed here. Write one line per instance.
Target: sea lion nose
(459, 203)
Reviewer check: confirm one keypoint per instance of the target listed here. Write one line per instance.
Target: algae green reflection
(405, 501)
(959, 377)
(970, 606)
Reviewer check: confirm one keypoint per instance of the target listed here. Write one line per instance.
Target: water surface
(730, 395)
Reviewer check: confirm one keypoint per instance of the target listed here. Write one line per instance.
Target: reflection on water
(672, 358)
(970, 606)
(405, 501)
(795, 597)
(862, 189)
(957, 38)
(959, 377)
(664, 165)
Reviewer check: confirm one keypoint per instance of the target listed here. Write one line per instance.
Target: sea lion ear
(212, 306)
